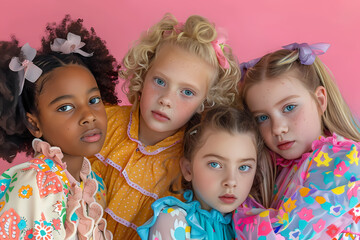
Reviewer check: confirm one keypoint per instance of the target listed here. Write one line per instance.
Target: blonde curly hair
(196, 37)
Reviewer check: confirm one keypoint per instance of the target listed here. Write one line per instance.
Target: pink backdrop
(254, 27)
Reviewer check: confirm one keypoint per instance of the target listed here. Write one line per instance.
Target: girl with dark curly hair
(58, 97)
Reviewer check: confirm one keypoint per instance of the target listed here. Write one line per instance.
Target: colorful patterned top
(135, 175)
(316, 198)
(39, 199)
(174, 219)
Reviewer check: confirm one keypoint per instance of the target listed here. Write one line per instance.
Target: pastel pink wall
(254, 27)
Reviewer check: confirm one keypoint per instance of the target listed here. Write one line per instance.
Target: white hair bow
(71, 44)
(26, 69)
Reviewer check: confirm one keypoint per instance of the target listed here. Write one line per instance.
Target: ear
(201, 108)
(321, 96)
(35, 125)
(185, 166)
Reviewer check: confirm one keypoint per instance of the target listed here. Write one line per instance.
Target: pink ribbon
(72, 44)
(26, 69)
(218, 46)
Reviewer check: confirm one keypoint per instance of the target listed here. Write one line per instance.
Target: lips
(285, 145)
(228, 198)
(91, 136)
(160, 116)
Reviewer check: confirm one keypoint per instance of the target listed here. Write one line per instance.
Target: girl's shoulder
(334, 140)
(171, 213)
(117, 111)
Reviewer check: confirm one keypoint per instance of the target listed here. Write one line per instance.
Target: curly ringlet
(195, 37)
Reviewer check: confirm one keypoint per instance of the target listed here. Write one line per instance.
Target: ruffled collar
(55, 153)
(212, 215)
(336, 142)
(133, 134)
(204, 224)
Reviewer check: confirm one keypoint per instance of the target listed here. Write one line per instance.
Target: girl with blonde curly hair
(174, 71)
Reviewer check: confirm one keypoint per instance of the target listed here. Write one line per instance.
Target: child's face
(71, 113)
(222, 170)
(174, 88)
(289, 118)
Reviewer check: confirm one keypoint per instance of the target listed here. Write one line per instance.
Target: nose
(279, 126)
(230, 180)
(88, 116)
(165, 100)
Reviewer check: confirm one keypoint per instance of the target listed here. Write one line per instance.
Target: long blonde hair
(337, 117)
(195, 36)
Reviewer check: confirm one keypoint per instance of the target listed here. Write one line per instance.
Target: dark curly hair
(14, 136)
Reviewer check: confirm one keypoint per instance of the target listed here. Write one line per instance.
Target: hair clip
(70, 45)
(308, 53)
(193, 132)
(244, 66)
(26, 69)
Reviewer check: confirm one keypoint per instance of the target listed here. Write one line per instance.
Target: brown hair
(232, 120)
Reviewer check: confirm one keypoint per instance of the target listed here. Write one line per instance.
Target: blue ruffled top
(209, 225)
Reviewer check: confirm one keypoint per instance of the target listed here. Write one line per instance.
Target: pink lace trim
(141, 147)
(120, 220)
(137, 187)
(131, 183)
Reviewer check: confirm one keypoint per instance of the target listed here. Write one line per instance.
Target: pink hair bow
(308, 53)
(218, 46)
(26, 68)
(70, 45)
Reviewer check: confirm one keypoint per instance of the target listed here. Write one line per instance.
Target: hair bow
(308, 53)
(246, 65)
(70, 45)
(26, 69)
(218, 46)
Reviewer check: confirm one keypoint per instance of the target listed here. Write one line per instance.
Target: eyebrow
(71, 96)
(280, 102)
(225, 159)
(286, 99)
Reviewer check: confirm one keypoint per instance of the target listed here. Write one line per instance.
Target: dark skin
(71, 115)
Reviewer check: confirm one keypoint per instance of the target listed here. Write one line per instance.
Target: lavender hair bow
(26, 69)
(246, 65)
(308, 53)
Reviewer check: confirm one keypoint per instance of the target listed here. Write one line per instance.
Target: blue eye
(289, 108)
(214, 165)
(261, 118)
(244, 168)
(188, 93)
(159, 81)
(65, 108)
(95, 100)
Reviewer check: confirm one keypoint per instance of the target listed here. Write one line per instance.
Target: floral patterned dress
(317, 197)
(174, 219)
(40, 200)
